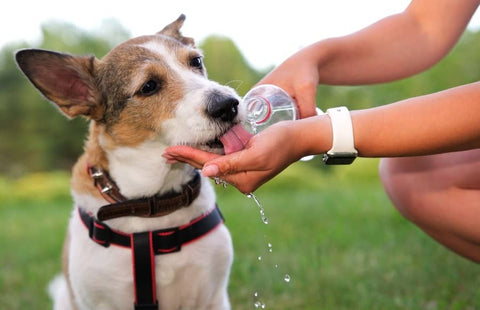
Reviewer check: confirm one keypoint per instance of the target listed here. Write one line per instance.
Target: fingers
(224, 165)
(240, 169)
(198, 158)
(201, 159)
(213, 165)
(307, 105)
(245, 182)
(304, 94)
(189, 155)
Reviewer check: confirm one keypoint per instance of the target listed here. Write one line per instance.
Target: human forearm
(441, 122)
(395, 47)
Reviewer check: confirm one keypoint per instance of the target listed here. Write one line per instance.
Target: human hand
(265, 155)
(298, 76)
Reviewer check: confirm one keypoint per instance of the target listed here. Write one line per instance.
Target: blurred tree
(461, 66)
(36, 137)
(226, 65)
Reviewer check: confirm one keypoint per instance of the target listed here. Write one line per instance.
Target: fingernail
(210, 170)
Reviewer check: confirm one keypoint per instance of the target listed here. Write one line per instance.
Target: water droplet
(258, 304)
(259, 258)
(256, 200)
(262, 211)
(219, 181)
(287, 278)
(270, 249)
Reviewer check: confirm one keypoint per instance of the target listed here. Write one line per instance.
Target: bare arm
(446, 121)
(441, 122)
(395, 47)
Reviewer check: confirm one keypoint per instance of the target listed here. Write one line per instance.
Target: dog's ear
(64, 79)
(173, 30)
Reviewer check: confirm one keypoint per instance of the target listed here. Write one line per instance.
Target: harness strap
(144, 271)
(164, 240)
(145, 245)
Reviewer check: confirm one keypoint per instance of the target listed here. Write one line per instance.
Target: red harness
(145, 245)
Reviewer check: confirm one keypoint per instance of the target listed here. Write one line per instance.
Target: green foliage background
(336, 235)
(332, 229)
(36, 138)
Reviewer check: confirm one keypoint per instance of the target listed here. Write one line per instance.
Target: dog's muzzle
(221, 106)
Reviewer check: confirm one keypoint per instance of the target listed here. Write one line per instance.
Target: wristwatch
(343, 150)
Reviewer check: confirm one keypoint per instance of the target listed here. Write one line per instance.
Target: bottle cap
(259, 109)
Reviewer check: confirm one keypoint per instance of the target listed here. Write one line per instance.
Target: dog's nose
(222, 107)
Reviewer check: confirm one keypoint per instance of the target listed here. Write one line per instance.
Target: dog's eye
(149, 88)
(196, 62)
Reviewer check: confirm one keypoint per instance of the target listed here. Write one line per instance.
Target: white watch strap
(342, 128)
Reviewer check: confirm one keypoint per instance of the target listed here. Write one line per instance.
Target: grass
(333, 232)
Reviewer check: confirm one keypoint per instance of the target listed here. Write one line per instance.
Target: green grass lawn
(333, 232)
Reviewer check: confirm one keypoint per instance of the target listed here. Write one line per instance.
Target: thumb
(220, 166)
(210, 170)
(306, 101)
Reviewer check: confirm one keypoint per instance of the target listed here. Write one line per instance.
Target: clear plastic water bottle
(268, 104)
(264, 105)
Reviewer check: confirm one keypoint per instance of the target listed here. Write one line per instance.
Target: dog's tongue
(235, 139)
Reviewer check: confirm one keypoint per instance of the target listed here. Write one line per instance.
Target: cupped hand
(265, 155)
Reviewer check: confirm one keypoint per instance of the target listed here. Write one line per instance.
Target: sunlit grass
(334, 233)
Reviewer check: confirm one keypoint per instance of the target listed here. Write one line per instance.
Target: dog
(144, 233)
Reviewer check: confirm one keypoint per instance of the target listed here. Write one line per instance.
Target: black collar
(158, 205)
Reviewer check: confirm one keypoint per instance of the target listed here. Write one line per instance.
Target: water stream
(257, 301)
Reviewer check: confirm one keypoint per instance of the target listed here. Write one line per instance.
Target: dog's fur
(148, 93)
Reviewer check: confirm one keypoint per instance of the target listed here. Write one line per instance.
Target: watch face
(338, 160)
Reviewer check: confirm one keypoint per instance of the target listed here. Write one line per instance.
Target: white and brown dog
(131, 206)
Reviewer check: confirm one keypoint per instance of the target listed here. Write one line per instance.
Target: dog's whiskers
(238, 82)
